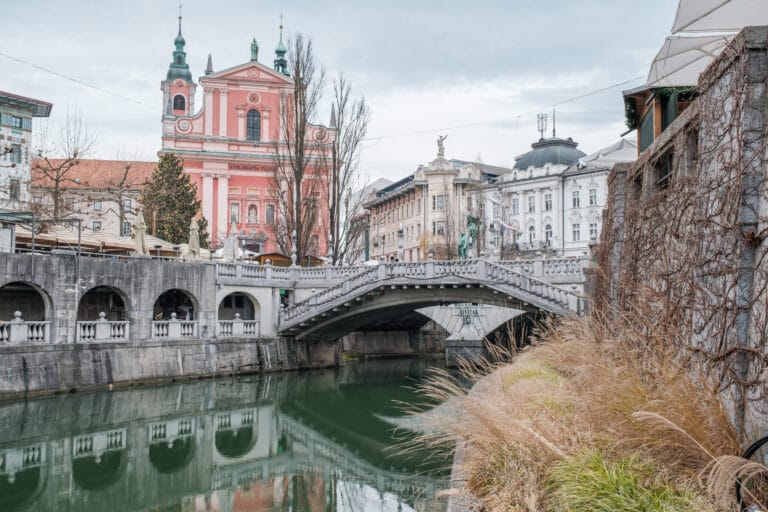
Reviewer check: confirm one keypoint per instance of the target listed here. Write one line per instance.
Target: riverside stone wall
(685, 230)
(29, 369)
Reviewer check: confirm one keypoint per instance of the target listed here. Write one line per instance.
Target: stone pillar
(237, 326)
(208, 106)
(222, 206)
(241, 123)
(174, 327)
(430, 266)
(223, 113)
(207, 193)
(265, 125)
(102, 327)
(18, 329)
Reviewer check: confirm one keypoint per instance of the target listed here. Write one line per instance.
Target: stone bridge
(392, 289)
(73, 321)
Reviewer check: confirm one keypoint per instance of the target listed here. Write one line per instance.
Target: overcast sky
(478, 71)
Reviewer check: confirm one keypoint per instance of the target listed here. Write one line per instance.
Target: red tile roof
(94, 174)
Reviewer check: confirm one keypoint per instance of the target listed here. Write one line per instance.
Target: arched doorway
(238, 303)
(174, 301)
(236, 433)
(169, 457)
(25, 298)
(17, 491)
(102, 299)
(238, 315)
(95, 472)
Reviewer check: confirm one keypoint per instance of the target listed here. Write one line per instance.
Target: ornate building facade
(425, 212)
(16, 113)
(551, 201)
(232, 146)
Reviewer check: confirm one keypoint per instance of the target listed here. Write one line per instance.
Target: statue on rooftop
(441, 145)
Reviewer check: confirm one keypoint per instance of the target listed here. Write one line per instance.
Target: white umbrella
(193, 249)
(681, 59)
(719, 15)
(140, 234)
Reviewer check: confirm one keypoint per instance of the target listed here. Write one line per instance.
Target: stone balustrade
(492, 274)
(20, 331)
(103, 330)
(174, 328)
(238, 327)
(558, 270)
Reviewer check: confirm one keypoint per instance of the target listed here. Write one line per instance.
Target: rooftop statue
(441, 145)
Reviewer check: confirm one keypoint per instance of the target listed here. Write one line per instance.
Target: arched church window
(178, 59)
(531, 234)
(548, 233)
(253, 131)
(179, 102)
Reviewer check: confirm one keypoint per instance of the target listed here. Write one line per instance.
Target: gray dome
(550, 151)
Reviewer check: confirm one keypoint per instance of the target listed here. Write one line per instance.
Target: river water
(312, 441)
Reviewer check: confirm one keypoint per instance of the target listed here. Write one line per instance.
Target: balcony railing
(19, 331)
(238, 328)
(174, 328)
(103, 330)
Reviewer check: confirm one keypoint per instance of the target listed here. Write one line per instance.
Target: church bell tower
(178, 87)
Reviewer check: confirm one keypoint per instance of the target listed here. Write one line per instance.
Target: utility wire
(369, 139)
(511, 116)
(71, 79)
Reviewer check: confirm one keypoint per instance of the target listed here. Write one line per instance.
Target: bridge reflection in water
(300, 442)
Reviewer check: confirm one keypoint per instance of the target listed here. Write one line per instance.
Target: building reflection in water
(272, 443)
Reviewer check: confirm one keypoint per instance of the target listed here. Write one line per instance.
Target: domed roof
(550, 151)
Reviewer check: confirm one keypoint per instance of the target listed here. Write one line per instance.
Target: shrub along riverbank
(598, 416)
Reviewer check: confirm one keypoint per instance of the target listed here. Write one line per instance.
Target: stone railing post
(430, 266)
(18, 329)
(237, 326)
(329, 274)
(382, 271)
(239, 271)
(268, 270)
(102, 327)
(293, 272)
(538, 269)
(481, 270)
(174, 327)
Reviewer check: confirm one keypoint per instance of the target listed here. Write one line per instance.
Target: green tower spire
(281, 64)
(179, 67)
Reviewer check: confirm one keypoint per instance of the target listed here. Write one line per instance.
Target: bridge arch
(114, 302)
(31, 300)
(175, 300)
(392, 303)
(242, 303)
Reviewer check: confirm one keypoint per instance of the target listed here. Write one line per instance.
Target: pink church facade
(232, 145)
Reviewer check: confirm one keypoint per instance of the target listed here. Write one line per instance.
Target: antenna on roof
(541, 121)
(553, 123)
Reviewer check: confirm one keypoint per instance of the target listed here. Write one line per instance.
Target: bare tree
(119, 185)
(299, 170)
(346, 190)
(56, 156)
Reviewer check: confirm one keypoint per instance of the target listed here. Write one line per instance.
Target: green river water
(312, 441)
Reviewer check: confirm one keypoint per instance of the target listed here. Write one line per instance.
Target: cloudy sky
(478, 71)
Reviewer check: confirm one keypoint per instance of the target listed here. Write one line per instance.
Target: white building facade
(550, 202)
(16, 113)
